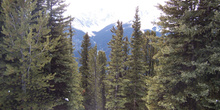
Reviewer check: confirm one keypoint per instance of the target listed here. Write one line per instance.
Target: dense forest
(178, 71)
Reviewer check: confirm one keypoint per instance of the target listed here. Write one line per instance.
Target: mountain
(102, 37)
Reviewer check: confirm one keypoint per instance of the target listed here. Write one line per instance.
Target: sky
(93, 15)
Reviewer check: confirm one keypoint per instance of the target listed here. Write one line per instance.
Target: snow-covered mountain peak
(93, 15)
(95, 22)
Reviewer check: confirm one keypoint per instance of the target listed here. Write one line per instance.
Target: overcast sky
(104, 12)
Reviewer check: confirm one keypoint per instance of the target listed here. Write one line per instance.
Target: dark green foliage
(93, 79)
(179, 70)
(24, 49)
(153, 87)
(72, 79)
(188, 75)
(126, 50)
(149, 51)
(116, 80)
(38, 70)
(71, 34)
(67, 82)
(150, 48)
(2, 62)
(97, 63)
(86, 45)
(63, 64)
(94, 94)
(101, 62)
(136, 89)
(84, 69)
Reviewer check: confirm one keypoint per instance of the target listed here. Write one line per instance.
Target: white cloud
(104, 12)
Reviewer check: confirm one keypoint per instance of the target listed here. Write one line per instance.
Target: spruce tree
(2, 60)
(136, 87)
(152, 85)
(187, 76)
(24, 48)
(71, 34)
(96, 91)
(93, 79)
(101, 64)
(126, 50)
(75, 97)
(116, 79)
(149, 51)
(66, 85)
(84, 69)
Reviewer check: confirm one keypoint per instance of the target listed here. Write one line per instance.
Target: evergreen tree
(136, 87)
(152, 85)
(93, 79)
(97, 63)
(187, 76)
(126, 50)
(101, 62)
(84, 69)
(115, 79)
(2, 60)
(75, 97)
(149, 51)
(71, 34)
(24, 48)
(66, 85)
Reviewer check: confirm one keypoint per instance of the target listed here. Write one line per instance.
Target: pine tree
(71, 34)
(96, 91)
(1, 24)
(66, 85)
(153, 87)
(136, 87)
(101, 62)
(24, 49)
(2, 60)
(187, 76)
(84, 69)
(115, 79)
(126, 50)
(75, 97)
(93, 79)
(149, 51)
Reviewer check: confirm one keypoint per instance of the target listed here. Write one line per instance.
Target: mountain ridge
(102, 37)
